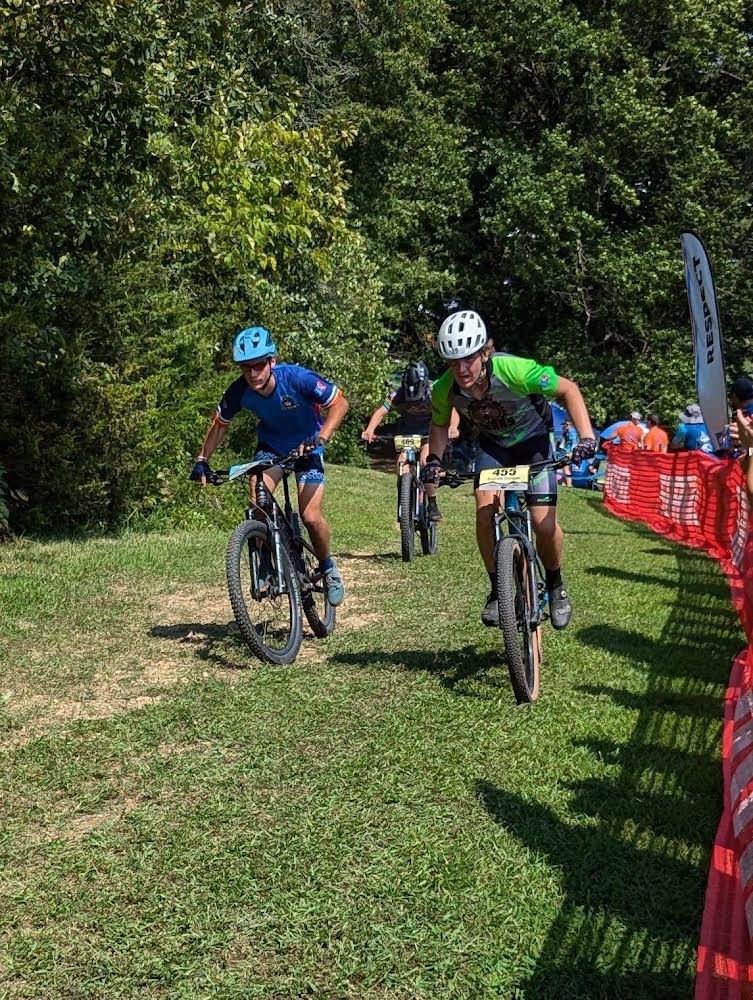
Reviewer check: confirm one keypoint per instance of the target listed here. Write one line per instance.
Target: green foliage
(160, 193)
(170, 173)
(600, 134)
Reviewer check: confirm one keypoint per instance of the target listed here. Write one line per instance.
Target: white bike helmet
(461, 335)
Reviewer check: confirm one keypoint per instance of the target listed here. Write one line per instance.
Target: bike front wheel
(427, 531)
(522, 643)
(407, 508)
(264, 593)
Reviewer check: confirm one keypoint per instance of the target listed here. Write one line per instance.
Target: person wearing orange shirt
(656, 439)
(630, 434)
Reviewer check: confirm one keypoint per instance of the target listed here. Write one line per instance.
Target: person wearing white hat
(691, 434)
(630, 434)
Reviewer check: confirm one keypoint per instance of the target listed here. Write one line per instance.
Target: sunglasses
(255, 366)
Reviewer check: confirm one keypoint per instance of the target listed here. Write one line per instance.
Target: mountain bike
(273, 575)
(521, 580)
(412, 515)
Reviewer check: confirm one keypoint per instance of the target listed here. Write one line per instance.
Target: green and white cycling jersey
(514, 408)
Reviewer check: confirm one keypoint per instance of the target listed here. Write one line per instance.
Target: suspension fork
(265, 501)
(520, 527)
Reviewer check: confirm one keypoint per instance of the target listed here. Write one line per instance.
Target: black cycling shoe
(433, 513)
(490, 614)
(560, 608)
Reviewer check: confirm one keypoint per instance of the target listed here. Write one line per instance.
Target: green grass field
(378, 821)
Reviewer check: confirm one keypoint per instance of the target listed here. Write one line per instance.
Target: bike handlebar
(219, 477)
(455, 479)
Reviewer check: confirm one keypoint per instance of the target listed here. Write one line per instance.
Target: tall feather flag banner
(707, 337)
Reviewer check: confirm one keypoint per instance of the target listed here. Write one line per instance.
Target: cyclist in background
(412, 403)
(507, 398)
(296, 409)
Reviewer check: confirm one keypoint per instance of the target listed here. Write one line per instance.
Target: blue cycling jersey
(290, 414)
(692, 437)
(569, 439)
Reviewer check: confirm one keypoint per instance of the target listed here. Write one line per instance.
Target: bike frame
(515, 513)
(266, 508)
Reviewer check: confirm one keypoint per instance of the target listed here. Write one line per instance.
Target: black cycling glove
(201, 468)
(432, 471)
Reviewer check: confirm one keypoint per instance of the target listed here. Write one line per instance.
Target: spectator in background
(691, 434)
(656, 439)
(745, 439)
(630, 434)
(567, 441)
(568, 436)
(741, 394)
(740, 398)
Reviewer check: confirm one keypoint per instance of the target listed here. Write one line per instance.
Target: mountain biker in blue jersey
(506, 398)
(296, 409)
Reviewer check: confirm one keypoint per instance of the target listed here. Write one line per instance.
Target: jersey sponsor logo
(321, 387)
(544, 381)
(489, 415)
(288, 404)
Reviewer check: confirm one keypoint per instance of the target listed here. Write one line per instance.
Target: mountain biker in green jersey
(507, 399)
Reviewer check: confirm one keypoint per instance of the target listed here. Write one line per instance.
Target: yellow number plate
(515, 477)
(403, 441)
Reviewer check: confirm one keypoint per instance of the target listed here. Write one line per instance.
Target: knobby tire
(320, 614)
(256, 534)
(427, 531)
(407, 508)
(522, 645)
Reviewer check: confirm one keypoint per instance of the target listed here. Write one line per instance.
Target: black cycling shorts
(542, 485)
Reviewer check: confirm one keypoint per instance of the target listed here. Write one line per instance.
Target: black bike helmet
(416, 380)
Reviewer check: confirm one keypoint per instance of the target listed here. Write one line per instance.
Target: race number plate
(515, 477)
(405, 441)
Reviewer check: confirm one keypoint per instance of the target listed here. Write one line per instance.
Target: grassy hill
(379, 820)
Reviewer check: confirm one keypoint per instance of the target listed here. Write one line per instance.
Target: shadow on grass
(451, 666)
(614, 573)
(371, 556)
(592, 534)
(631, 875)
(691, 653)
(206, 641)
(190, 632)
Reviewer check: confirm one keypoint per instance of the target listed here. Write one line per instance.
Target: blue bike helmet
(253, 344)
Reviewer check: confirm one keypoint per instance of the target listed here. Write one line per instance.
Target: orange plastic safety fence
(701, 501)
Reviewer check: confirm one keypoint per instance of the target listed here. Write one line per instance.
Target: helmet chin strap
(483, 377)
(266, 383)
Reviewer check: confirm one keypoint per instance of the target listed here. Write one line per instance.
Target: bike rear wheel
(427, 531)
(407, 509)
(320, 614)
(268, 615)
(522, 643)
